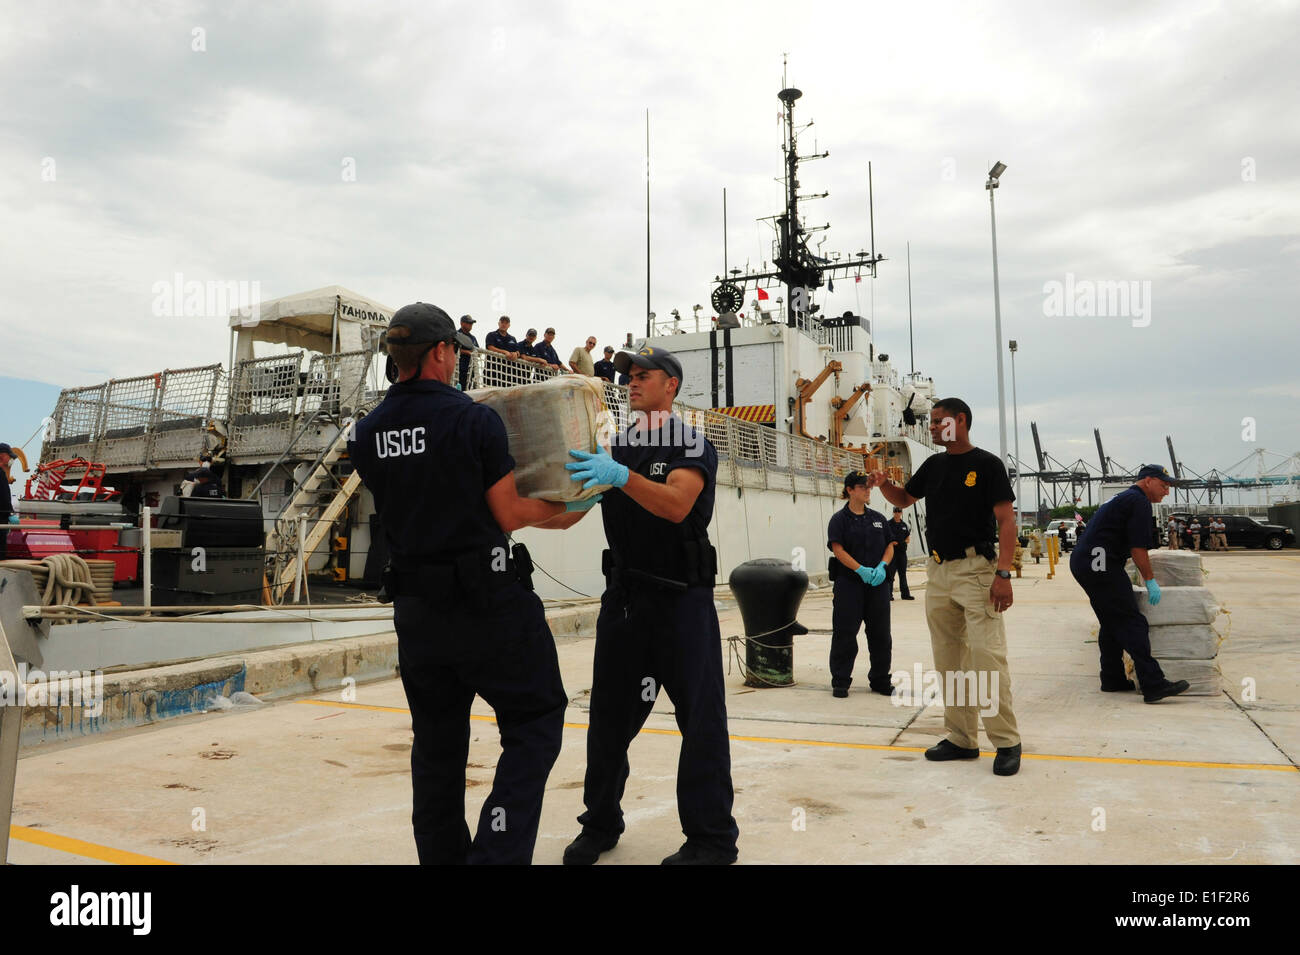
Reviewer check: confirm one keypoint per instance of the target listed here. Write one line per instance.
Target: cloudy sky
(498, 157)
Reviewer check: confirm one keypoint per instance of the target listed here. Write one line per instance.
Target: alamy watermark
(1084, 298)
(952, 688)
(650, 429)
(194, 299)
(30, 687)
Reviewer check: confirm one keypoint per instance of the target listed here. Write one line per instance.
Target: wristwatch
(1004, 574)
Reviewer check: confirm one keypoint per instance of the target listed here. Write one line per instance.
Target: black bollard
(769, 592)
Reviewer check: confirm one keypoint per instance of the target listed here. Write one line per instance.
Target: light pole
(1015, 425)
(994, 174)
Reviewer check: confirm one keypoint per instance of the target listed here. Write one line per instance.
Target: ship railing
(490, 370)
(277, 407)
(138, 423)
(753, 455)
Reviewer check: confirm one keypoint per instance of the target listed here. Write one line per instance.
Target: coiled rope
(68, 581)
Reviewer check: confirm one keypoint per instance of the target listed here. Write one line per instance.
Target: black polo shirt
(900, 532)
(637, 537)
(1122, 523)
(960, 491)
(605, 369)
(542, 350)
(428, 454)
(864, 536)
(506, 342)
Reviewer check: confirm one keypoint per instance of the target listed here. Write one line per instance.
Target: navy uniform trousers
(447, 654)
(647, 638)
(1122, 625)
(857, 604)
(898, 569)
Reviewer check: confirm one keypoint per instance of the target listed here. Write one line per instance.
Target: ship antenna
(911, 344)
(647, 222)
(724, 230)
(871, 214)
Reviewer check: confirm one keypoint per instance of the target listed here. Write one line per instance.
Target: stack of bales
(1183, 637)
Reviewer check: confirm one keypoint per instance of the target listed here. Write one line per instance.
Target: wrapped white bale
(1172, 568)
(543, 421)
(1179, 606)
(1204, 676)
(1199, 642)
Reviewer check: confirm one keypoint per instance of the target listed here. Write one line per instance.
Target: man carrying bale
(1122, 526)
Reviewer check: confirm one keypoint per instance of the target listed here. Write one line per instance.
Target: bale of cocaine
(543, 421)
(1183, 638)
(1172, 568)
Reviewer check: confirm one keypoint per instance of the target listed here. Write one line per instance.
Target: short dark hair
(956, 406)
(408, 358)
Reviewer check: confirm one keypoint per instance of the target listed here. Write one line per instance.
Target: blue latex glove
(13, 518)
(868, 574)
(878, 574)
(598, 468)
(586, 505)
(1153, 592)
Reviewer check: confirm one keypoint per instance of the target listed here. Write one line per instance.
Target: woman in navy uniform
(466, 617)
(863, 547)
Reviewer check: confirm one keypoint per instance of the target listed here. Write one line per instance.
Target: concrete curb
(129, 698)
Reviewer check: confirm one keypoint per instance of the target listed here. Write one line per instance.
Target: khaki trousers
(1223, 540)
(1173, 540)
(969, 642)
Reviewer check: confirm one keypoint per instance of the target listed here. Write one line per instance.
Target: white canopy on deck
(326, 320)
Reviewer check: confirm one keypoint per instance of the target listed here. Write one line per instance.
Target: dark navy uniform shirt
(506, 342)
(428, 454)
(1122, 523)
(900, 532)
(543, 350)
(527, 349)
(465, 359)
(637, 537)
(605, 369)
(864, 535)
(206, 489)
(960, 491)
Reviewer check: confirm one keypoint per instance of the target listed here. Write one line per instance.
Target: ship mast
(795, 265)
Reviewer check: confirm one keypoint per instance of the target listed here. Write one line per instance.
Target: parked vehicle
(1067, 529)
(1246, 531)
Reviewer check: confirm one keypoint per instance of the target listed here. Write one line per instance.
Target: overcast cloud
(498, 150)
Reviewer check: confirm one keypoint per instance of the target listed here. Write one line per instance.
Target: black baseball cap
(853, 479)
(424, 324)
(5, 449)
(1156, 471)
(467, 319)
(609, 349)
(650, 357)
(898, 510)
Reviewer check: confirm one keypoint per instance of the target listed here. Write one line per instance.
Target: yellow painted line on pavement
(78, 847)
(835, 744)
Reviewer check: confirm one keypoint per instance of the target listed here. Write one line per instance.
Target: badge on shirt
(970, 479)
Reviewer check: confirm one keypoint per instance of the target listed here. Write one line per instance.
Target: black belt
(470, 577)
(984, 549)
(698, 568)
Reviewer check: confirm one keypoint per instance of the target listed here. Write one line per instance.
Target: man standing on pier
(971, 527)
